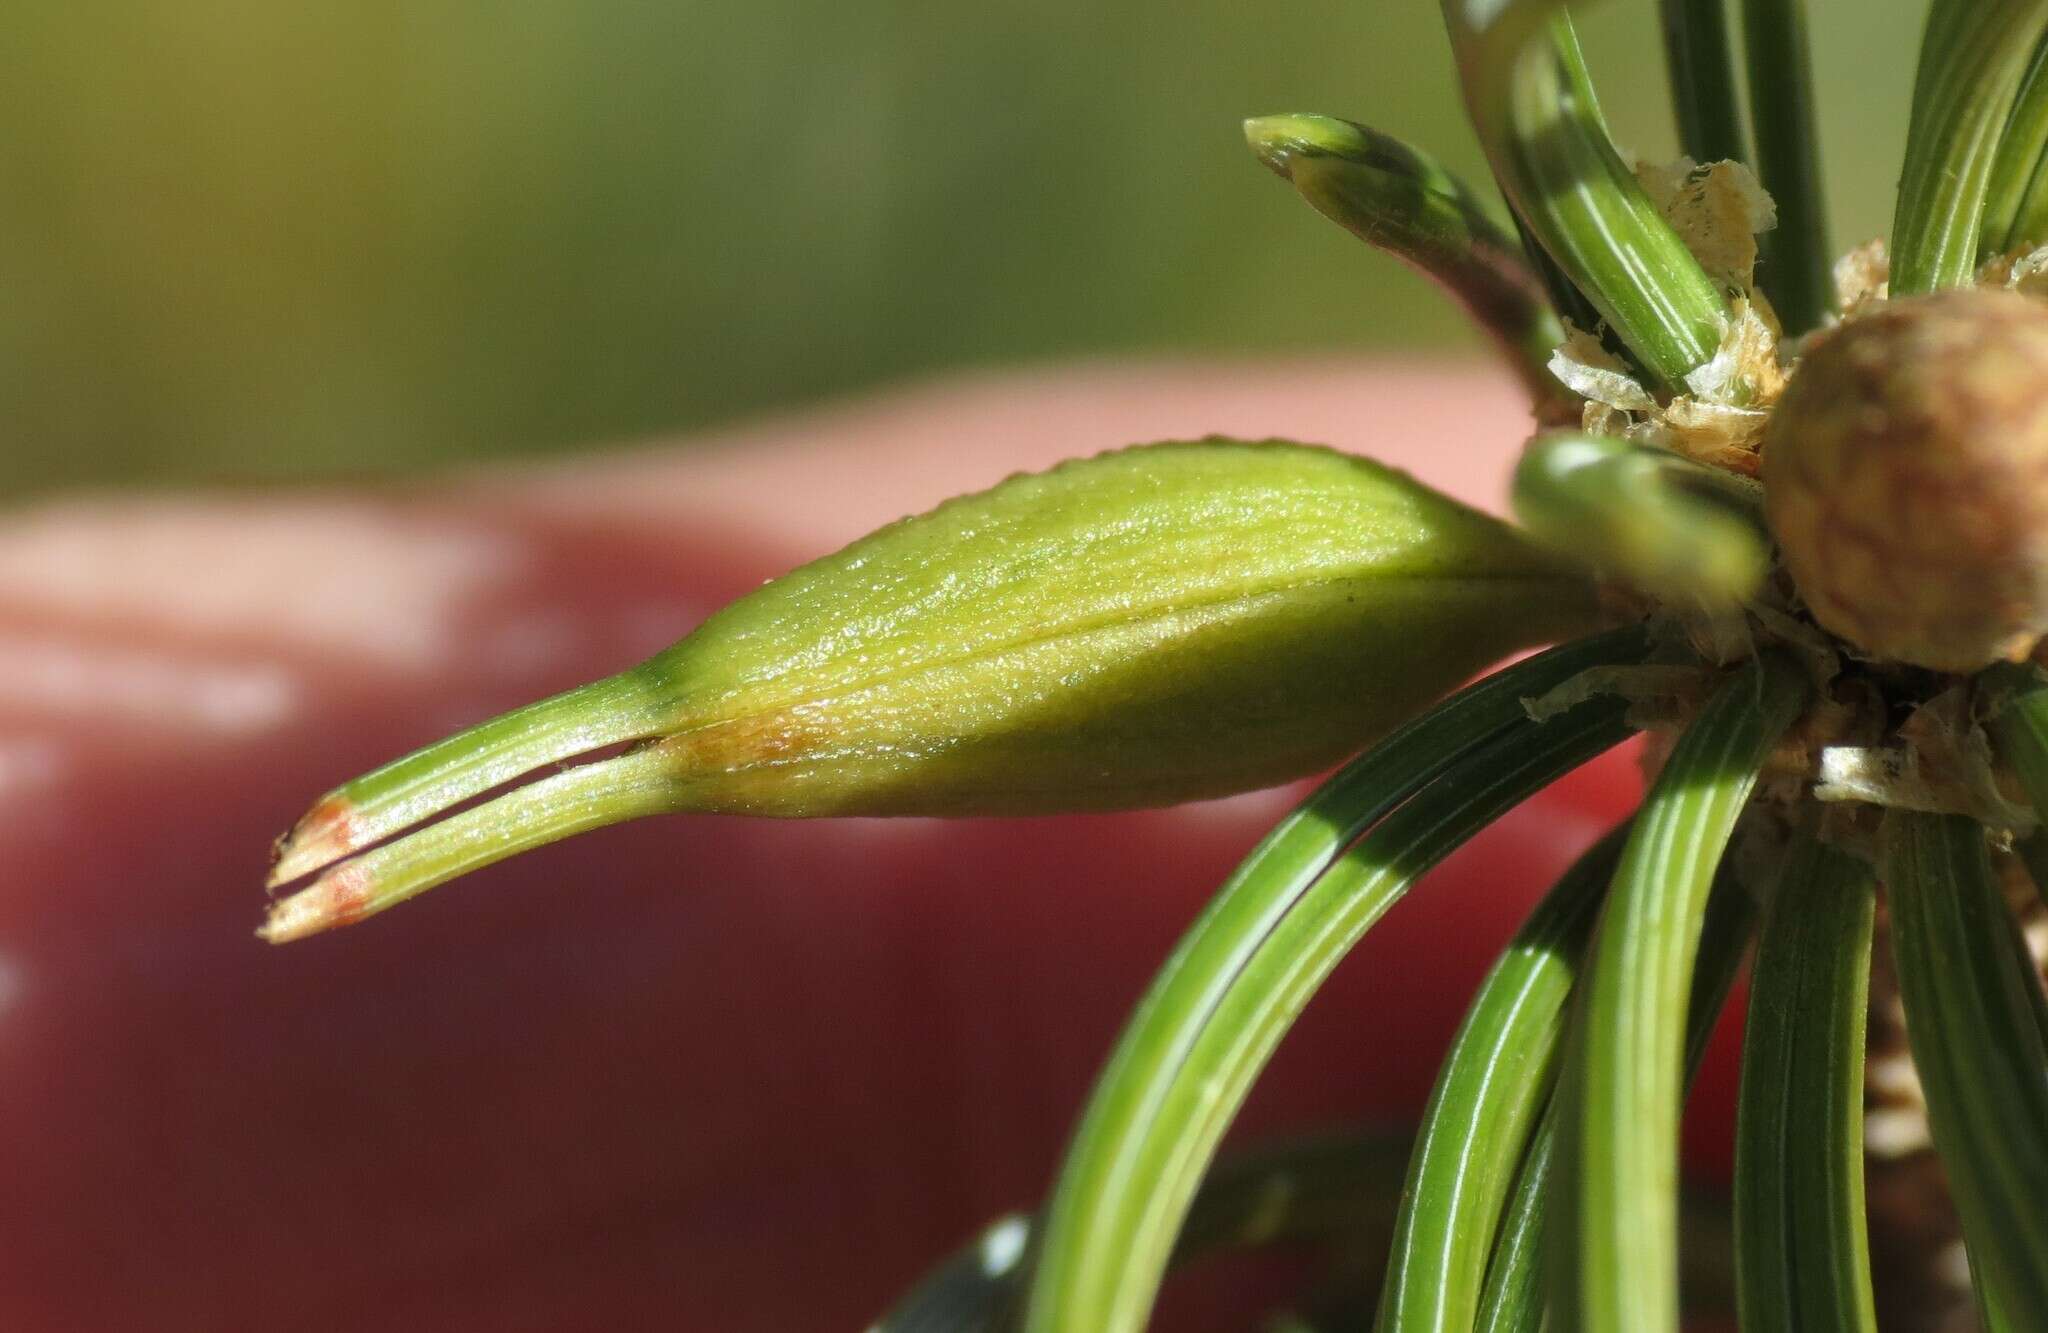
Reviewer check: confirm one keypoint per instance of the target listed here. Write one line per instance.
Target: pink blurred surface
(704, 1072)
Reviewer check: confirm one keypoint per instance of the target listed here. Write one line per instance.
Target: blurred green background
(255, 239)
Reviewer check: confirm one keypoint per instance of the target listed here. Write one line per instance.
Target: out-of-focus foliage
(259, 239)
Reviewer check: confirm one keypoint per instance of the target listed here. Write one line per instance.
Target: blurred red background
(706, 1073)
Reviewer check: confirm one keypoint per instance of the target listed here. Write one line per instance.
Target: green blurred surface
(283, 240)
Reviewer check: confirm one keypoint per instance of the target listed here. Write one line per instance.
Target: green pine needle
(1491, 1089)
(1796, 270)
(1976, 1040)
(1618, 1134)
(1531, 101)
(1309, 1189)
(1703, 94)
(2016, 200)
(1972, 59)
(2020, 726)
(1242, 974)
(1514, 1297)
(1802, 1258)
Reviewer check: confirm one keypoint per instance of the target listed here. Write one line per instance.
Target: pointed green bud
(1398, 200)
(1145, 627)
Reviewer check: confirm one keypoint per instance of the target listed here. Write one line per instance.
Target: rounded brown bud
(1906, 479)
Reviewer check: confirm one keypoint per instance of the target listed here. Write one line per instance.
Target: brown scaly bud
(1906, 479)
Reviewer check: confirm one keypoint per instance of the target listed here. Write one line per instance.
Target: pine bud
(1141, 628)
(1906, 479)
